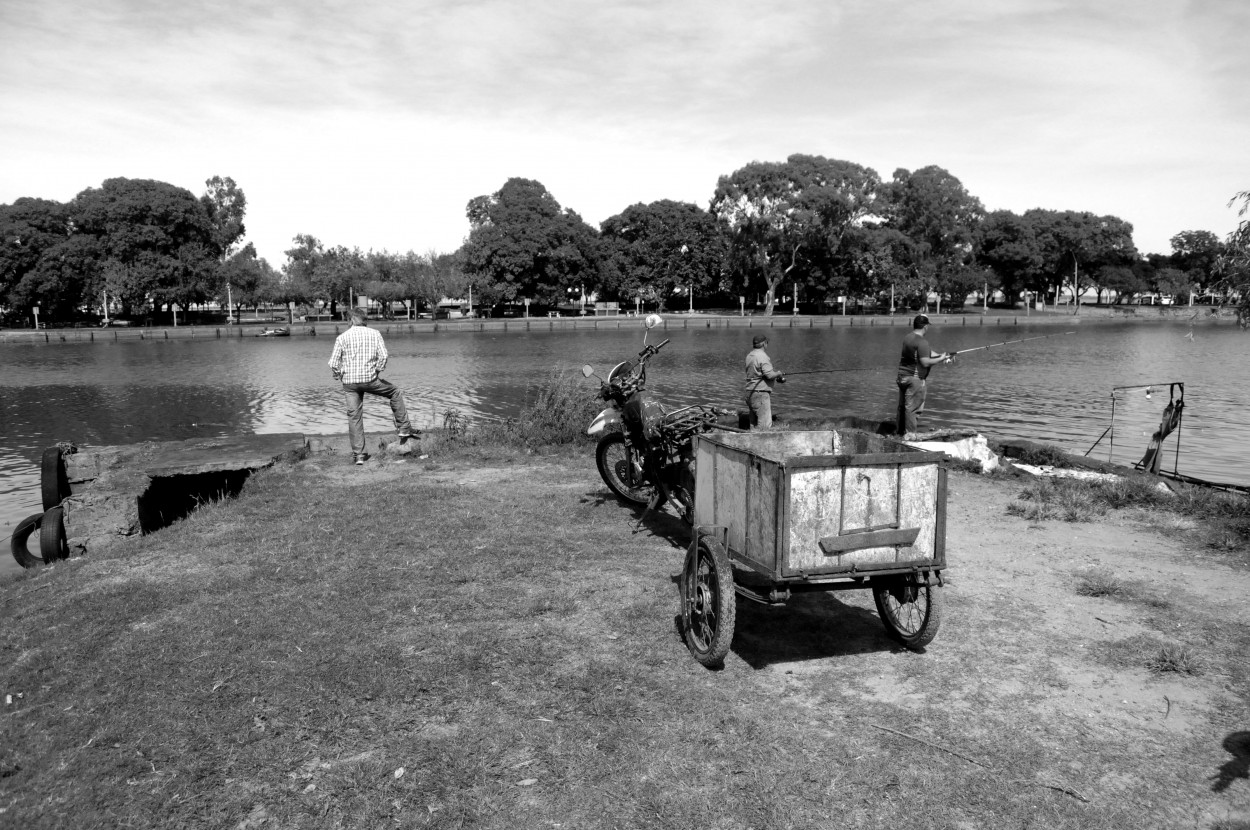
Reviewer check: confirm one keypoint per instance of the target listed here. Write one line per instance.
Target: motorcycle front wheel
(621, 470)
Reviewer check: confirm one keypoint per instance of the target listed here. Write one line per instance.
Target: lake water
(1056, 390)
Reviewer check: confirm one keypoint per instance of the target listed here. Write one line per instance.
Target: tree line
(810, 227)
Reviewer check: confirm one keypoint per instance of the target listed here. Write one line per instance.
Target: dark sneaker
(405, 434)
(361, 459)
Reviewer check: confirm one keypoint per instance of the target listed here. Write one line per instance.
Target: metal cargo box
(822, 504)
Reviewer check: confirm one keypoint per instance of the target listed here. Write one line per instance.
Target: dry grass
(376, 649)
(1216, 520)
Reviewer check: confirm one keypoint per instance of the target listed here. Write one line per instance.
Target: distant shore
(682, 320)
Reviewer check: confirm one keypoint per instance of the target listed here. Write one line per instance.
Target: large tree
(939, 215)
(41, 260)
(523, 244)
(655, 251)
(155, 240)
(1008, 244)
(786, 220)
(1234, 263)
(1076, 244)
(226, 206)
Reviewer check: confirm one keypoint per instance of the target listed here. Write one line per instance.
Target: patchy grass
(1054, 498)
(1100, 583)
(1174, 657)
(1220, 521)
(497, 648)
(1103, 582)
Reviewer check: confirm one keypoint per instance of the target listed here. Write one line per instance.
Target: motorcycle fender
(606, 420)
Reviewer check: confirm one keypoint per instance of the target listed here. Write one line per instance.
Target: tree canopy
(523, 244)
(658, 250)
(786, 220)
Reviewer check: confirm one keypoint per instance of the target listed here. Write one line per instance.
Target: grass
(1217, 520)
(485, 640)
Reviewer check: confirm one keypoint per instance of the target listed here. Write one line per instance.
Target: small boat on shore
(282, 332)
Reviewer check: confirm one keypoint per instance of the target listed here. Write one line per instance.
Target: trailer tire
(616, 465)
(52, 543)
(910, 610)
(709, 603)
(21, 535)
(53, 481)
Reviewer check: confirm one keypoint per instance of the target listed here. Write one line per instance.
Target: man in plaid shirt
(358, 359)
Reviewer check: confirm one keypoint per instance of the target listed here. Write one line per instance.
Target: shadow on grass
(808, 627)
(1238, 744)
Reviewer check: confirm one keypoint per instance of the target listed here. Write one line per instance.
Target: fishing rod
(827, 371)
(1009, 342)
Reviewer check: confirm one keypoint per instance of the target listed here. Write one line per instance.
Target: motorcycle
(646, 454)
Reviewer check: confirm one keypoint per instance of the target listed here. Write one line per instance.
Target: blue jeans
(911, 393)
(355, 394)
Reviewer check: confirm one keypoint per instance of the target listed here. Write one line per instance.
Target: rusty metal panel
(765, 516)
(781, 493)
(870, 497)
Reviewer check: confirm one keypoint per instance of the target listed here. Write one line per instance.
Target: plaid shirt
(359, 354)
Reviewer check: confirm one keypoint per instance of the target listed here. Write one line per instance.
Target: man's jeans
(761, 406)
(911, 394)
(355, 394)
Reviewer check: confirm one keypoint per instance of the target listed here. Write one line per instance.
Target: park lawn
(491, 642)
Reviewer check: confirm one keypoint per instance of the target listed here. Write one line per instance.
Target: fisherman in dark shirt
(913, 369)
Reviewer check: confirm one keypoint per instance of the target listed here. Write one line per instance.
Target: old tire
(21, 535)
(52, 544)
(910, 610)
(52, 478)
(618, 467)
(709, 603)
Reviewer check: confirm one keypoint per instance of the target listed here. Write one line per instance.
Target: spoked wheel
(621, 469)
(910, 610)
(708, 602)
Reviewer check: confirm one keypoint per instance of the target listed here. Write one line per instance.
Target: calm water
(1056, 390)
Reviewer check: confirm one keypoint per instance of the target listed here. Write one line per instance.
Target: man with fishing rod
(761, 376)
(913, 372)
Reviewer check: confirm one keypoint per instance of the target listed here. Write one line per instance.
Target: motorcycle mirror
(588, 370)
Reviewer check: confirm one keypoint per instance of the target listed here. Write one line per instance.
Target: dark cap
(758, 340)
(921, 320)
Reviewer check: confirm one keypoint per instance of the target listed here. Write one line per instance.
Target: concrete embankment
(671, 322)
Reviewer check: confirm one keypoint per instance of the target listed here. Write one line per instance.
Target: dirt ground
(1019, 649)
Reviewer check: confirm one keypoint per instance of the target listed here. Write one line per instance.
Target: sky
(372, 124)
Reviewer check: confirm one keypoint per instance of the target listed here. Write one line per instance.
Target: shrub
(1173, 657)
(1045, 455)
(1099, 583)
(562, 407)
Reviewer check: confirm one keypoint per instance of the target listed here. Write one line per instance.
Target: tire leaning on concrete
(52, 543)
(52, 479)
(21, 535)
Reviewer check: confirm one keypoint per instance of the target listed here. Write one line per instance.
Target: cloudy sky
(372, 123)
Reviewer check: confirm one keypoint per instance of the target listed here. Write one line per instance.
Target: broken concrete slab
(119, 491)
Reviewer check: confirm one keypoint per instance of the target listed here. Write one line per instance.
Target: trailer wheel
(910, 610)
(21, 535)
(621, 470)
(52, 542)
(53, 481)
(708, 602)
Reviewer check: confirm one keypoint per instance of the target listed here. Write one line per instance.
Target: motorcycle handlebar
(653, 350)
